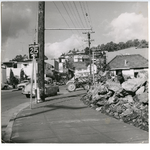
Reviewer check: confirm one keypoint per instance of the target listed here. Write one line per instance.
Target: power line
(89, 13)
(70, 18)
(86, 12)
(78, 13)
(75, 15)
(83, 14)
(61, 15)
(72, 14)
(68, 14)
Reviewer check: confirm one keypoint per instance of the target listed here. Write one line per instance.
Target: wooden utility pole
(89, 42)
(41, 41)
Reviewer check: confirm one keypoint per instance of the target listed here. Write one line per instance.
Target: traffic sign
(33, 50)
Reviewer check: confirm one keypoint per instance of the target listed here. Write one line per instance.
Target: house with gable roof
(130, 65)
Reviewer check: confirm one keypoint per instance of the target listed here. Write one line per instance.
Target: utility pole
(89, 43)
(41, 41)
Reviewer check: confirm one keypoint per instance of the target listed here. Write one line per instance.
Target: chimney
(125, 62)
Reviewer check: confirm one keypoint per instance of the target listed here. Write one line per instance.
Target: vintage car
(5, 86)
(50, 89)
(22, 85)
(78, 81)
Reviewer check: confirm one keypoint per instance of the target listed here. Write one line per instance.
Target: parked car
(4, 86)
(50, 89)
(22, 85)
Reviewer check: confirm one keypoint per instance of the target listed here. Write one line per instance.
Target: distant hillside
(142, 51)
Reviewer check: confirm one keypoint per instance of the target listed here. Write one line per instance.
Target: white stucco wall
(93, 68)
(27, 69)
(128, 73)
(3, 75)
(82, 72)
(131, 72)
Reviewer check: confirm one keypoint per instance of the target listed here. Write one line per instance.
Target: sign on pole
(33, 50)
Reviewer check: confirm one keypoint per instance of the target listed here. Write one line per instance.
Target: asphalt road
(11, 99)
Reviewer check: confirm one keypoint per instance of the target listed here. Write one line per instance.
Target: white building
(26, 66)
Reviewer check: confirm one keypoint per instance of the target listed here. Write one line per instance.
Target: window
(25, 65)
(135, 74)
(15, 65)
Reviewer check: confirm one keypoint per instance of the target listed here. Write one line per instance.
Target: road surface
(11, 99)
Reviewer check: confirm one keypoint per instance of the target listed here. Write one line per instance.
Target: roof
(79, 65)
(128, 62)
(132, 50)
(9, 62)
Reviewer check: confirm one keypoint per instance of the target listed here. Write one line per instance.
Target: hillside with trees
(100, 54)
(111, 46)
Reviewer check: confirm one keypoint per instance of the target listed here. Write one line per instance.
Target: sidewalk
(65, 119)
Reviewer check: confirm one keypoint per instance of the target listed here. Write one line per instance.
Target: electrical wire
(86, 13)
(71, 19)
(68, 14)
(89, 14)
(74, 16)
(81, 45)
(83, 14)
(61, 15)
(78, 14)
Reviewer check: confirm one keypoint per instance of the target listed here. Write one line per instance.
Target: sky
(111, 21)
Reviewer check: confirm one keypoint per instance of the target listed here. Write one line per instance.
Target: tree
(74, 51)
(143, 42)
(122, 45)
(86, 50)
(136, 42)
(129, 43)
(20, 58)
(12, 79)
(22, 75)
(69, 63)
(102, 47)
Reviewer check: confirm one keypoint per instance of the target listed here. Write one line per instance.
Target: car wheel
(27, 95)
(86, 87)
(5, 87)
(71, 87)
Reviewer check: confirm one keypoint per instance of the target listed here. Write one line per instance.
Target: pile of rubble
(127, 102)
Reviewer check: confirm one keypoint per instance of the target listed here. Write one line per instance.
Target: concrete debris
(140, 90)
(127, 101)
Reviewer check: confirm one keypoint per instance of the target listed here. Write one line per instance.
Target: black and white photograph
(74, 72)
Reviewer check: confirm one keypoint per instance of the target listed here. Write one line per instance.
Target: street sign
(33, 50)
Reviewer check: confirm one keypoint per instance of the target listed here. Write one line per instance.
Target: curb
(8, 131)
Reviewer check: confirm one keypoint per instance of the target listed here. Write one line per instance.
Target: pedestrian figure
(120, 77)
